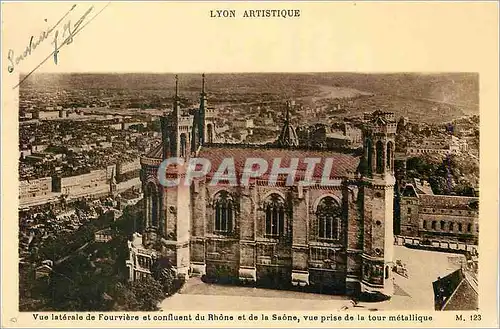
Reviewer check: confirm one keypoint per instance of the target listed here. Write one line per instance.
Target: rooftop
(448, 201)
(442, 201)
(456, 291)
(344, 164)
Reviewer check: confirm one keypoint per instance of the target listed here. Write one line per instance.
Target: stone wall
(249, 254)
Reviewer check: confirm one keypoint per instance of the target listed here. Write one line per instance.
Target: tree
(148, 293)
(464, 189)
(420, 167)
(94, 279)
(163, 271)
(124, 298)
(440, 185)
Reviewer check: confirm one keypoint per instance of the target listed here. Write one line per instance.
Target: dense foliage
(452, 175)
(95, 278)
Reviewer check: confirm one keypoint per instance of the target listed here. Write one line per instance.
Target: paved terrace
(412, 293)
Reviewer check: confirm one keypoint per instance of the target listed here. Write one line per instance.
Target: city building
(448, 145)
(245, 123)
(438, 217)
(337, 139)
(36, 191)
(95, 183)
(44, 115)
(355, 134)
(103, 236)
(458, 291)
(337, 235)
(422, 186)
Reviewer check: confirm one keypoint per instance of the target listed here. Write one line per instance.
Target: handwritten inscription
(68, 31)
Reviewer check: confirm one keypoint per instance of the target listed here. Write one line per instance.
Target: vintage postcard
(249, 164)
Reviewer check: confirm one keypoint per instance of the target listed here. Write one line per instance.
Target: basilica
(337, 235)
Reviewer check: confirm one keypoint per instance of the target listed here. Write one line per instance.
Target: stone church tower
(378, 196)
(167, 210)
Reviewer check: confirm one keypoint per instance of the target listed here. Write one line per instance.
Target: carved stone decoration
(353, 192)
(171, 235)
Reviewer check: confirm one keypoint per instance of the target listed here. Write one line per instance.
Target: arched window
(451, 227)
(275, 215)
(460, 227)
(152, 204)
(469, 227)
(210, 133)
(433, 225)
(380, 157)
(390, 154)
(224, 212)
(424, 224)
(386, 272)
(441, 224)
(369, 156)
(329, 214)
(183, 146)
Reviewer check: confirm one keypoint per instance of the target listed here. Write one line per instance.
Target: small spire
(203, 84)
(288, 136)
(176, 87)
(176, 97)
(287, 117)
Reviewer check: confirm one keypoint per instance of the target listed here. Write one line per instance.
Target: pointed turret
(176, 97)
(288, 136)
(171, 123)
(202, 112)
(203, 85)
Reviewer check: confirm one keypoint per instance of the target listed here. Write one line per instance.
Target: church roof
(156, 152)
(343, 164)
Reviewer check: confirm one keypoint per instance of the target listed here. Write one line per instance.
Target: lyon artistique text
(254, 13)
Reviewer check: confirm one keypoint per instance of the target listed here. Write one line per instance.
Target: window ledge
(223, 232)
(331, 244)
(326, 240)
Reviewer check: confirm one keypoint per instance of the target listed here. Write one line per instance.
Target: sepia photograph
(249, 164)
(296, 191)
